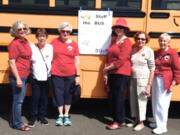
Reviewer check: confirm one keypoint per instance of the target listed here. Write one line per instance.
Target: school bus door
(164, 16)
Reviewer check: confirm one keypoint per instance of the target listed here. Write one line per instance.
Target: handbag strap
(44, 60)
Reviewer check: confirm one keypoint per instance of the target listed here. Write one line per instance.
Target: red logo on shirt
(143, 54)
(46, 56)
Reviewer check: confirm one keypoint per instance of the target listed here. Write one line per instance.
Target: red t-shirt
(167, 66)
(63, 63)
(20, 51)
(120, 55)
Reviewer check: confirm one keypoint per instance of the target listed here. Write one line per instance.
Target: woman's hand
(170, 89)
(172, 86)
(19, 83)
(77, 80)
(105, 79)
(76, 61)
(108, 68)
(12, 64)
(148, 90)
(105, 70)
(106, 87)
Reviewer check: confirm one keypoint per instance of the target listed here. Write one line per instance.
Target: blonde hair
(14, 29)
(166, 36)
(64, 25)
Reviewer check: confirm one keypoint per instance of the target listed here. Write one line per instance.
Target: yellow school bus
(151, 16)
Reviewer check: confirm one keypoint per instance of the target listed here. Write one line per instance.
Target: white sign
(94, 31)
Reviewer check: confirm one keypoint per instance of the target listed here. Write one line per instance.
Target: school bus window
(76, 3)
(122, 4)
(166, 4)
(29, 2)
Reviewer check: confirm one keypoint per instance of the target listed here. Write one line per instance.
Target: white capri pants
(138, 101)
(160, 103)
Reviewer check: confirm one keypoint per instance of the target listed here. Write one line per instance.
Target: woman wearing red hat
(117, 72)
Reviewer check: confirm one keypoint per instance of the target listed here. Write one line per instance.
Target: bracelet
(77, 75)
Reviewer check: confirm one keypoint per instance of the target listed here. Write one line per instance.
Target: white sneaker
(129, 124)
(139, 127)
(159, 131)
(152, 125)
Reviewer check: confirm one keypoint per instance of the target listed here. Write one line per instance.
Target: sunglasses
(20, 29)
(143, 39)
(120, 27)
(65, 31)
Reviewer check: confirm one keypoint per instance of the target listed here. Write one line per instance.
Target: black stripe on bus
(157, 34)
(63, 10)
(136, 14)
(3, 48)
(4, 29)
(159, 15)
(54, 31)
(129, 34)
(27, 9)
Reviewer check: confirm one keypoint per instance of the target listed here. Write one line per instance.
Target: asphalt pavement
(89, 117)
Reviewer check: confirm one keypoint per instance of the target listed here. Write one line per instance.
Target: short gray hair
(14, 29)
(64, 25)
(166, 36)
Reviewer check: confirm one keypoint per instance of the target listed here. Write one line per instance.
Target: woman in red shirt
(167, 75)
(117, 72)
(19, 62)
(64, 71)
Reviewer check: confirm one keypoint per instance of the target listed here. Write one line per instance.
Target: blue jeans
(18, 97)
(40, 91)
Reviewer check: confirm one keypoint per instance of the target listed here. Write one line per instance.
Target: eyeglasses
(163, 41)
(41, 36)
(65, 31)
(143, 39)
(20, 29)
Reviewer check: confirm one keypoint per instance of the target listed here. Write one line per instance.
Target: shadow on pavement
(91, 108)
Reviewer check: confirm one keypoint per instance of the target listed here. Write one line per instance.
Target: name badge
(167, 57)
(69, 48)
